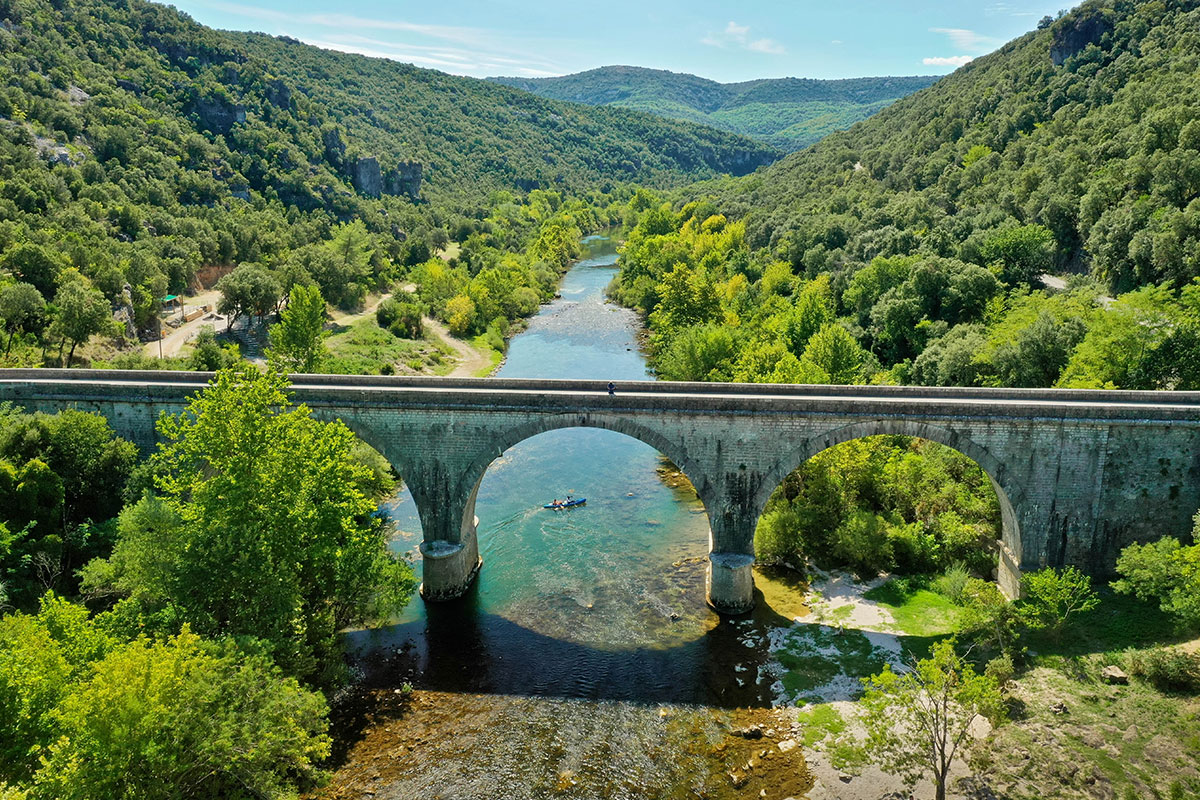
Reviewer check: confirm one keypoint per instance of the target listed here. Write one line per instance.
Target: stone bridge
(1079, 474)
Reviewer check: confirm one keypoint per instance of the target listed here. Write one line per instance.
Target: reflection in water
(581, 621)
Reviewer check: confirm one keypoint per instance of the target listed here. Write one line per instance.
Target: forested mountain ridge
(137, 146)
(790, 113)
(469, 130)
(909, 249)
(1088, 127)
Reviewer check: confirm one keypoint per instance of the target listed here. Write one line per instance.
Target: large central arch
(1009, 493)
(503, 440)
(630, 432)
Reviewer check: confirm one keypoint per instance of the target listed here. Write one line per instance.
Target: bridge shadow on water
(461, 648)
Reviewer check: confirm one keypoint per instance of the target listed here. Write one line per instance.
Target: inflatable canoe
(567, 503)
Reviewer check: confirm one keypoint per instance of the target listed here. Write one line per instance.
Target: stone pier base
(1008, 574)
(730, 582)
(449, 568)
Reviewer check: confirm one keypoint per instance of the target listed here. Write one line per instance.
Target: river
(584, 661)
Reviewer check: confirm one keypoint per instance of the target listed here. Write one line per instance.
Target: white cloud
(766, 46)
(738, 36)
(736, 31)
(461, 50)
(969, 40)
(836, 41)
(947, 61)
(1006, 10)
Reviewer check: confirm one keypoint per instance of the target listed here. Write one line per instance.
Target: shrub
(1168, 669)
(914, 550)
(1000, 669)
(495, 333)
(778, 537)
(862, 543)
(1050, 597)
(460, 315)
(158, 716)
(1167, 572)
(403, 320)
(952, 583)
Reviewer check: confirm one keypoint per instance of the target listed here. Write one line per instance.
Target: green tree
(297, 342)
(41, 656)
(1050, 597)
(834, 350)
(184, 718)
(249, 289)
(1166, 572)
(81, 312)
(700, 353)
(813, 311)
(344, 277)
(989, 617)
(33, 678)
(1022, 253)
(34, 264)
(687, 297)
(917, 721)
(22, 308)
(271, 532)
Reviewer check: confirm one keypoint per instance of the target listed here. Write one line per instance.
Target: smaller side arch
(1009, 493)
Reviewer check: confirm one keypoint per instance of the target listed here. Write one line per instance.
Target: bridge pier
(445, 499)
(449, 568)
(730, 583)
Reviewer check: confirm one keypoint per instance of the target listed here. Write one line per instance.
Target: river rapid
(584, 662)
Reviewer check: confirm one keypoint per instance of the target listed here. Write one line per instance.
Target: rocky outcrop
(1075, 32)
(367, 177)
(405, 179)
(217, 113)
(335, 146)
(370, 180)
(53, 152)
(278, 93)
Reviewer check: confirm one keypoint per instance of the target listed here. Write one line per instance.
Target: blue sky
(724, 41)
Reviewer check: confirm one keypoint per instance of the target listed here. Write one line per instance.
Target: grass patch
(818, 724)
(917, 610)
(1118, 622)
(495, 356)
(364, 348)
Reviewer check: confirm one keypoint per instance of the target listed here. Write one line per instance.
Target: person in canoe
(570, 502)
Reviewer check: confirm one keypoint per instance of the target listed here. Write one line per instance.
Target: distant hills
(1088, 127)
(139, 146)
(788, 113)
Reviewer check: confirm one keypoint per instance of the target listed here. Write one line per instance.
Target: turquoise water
(584, 662)
(601, 601)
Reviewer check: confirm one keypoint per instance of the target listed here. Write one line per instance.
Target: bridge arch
(1009, 493)
(501, 441)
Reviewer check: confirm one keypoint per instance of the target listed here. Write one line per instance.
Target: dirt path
(470, 360)
(343, 318)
